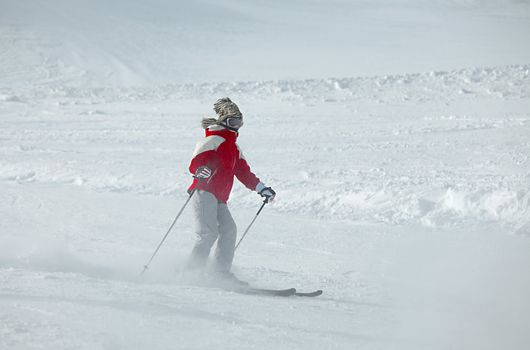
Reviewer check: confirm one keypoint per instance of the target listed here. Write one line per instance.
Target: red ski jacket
(219, 152)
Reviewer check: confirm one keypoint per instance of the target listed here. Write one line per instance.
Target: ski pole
(250, 225)
(146, 266)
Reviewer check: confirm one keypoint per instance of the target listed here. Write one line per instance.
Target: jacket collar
(222, 131)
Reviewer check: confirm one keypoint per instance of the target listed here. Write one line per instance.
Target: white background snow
(396, 134)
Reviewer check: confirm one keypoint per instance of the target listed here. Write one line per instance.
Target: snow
(124, 43)
(396, 134)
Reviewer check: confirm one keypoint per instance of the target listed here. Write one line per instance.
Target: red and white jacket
(219, 152)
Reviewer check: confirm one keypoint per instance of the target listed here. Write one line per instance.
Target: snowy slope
(122, 42)
(432, 148)
(405, 196)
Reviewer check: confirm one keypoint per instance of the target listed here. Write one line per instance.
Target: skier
(216, 159)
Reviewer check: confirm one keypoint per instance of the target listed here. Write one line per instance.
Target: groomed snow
(405, 196)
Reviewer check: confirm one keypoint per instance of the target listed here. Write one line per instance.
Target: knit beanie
(224, 108)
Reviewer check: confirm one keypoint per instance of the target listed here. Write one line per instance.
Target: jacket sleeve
(205, 154)
(243, 173)
(207, 158)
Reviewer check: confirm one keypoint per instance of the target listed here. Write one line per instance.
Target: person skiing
(216, 160)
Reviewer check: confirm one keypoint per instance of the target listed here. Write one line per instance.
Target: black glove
(203, 172)
(268, 193)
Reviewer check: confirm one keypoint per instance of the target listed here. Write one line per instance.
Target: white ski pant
(213, 221)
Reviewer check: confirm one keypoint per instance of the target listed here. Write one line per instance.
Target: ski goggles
(234, 122)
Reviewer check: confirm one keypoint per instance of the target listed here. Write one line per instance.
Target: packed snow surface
(404, 196)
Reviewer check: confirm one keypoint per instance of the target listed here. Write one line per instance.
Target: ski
(281, 292)
(273, 292)
(244, 287)
(316, 293)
